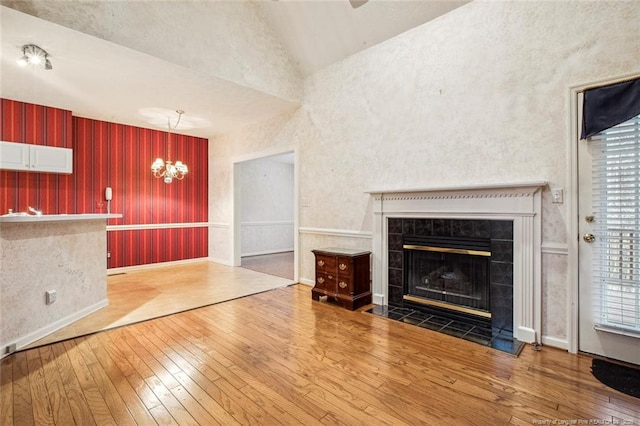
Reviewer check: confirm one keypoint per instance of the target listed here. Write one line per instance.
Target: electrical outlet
(51, 296)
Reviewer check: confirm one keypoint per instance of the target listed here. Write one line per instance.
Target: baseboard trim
(26, 340)
(377, 299)
(306, 281)
(220, 261)
(124, 269)
(526, 334)
(555, 342)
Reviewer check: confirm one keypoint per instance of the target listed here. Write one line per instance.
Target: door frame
(573, 221)
(236, 201)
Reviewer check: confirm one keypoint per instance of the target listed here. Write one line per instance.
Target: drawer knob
(321, 263)
(342, 284)
(320, 280)
(330, 277)
(342, 266)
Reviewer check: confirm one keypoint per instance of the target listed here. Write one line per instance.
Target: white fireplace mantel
(520, 202)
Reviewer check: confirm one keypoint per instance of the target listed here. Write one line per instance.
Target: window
(616, 206)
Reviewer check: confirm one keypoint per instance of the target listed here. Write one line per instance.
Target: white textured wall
(69, 257)
(276, 134)
(266, 203)
(239, 46)
(480, 95)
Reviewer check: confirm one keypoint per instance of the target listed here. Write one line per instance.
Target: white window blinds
(616, 206)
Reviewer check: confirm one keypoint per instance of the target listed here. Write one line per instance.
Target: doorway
(608, 207)
(265, 214)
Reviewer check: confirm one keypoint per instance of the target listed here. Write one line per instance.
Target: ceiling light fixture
(34, 55)
(166, 169)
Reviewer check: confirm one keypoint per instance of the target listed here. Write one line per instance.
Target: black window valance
(607, 106)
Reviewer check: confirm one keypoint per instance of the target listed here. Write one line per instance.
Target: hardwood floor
(280, 358)
(150, 293)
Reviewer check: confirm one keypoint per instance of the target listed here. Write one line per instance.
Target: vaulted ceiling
(226, 63)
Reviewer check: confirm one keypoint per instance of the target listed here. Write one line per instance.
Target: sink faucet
(35, 212)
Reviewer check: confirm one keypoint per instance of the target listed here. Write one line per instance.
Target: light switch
(51, 296)
(557, 194)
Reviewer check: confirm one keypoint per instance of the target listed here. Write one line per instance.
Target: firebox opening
(448, 273)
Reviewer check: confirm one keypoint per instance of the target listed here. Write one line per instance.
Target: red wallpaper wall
(37, 125)
(119, 156)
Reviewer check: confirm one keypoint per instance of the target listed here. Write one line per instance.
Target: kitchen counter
(63, 254)
(27, 218)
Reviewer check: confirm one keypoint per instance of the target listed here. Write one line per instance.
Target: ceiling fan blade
(357, 3)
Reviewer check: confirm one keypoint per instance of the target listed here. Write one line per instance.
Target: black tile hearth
(495, 338)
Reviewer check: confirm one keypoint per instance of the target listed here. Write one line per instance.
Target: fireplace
(456, 268)
(449, 273)
(478, 211)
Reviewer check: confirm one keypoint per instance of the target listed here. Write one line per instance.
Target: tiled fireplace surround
(485, 211)
(500, 232)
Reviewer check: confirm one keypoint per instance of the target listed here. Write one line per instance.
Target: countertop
(18, 218)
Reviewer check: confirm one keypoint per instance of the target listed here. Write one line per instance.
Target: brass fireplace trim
(448, 250)
(448, 306)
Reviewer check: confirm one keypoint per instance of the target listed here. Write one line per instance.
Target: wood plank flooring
(148, 293)
(280, 358)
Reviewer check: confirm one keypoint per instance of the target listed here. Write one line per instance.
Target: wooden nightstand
(343, 276)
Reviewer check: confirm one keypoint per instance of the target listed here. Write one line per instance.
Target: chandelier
(166, 169)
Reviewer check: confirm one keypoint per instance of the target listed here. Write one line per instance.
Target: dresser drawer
(344, 266)
(325, 263)
(325, 281)
(344, 285)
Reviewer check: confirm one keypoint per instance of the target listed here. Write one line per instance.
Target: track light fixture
(34, 55)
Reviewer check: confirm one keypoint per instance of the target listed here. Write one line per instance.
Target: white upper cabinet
(35, 158)
(50, 159)
(14, 156)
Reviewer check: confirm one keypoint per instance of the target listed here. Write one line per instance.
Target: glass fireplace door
(457, 277)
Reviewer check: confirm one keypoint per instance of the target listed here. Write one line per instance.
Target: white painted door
(609, 266)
